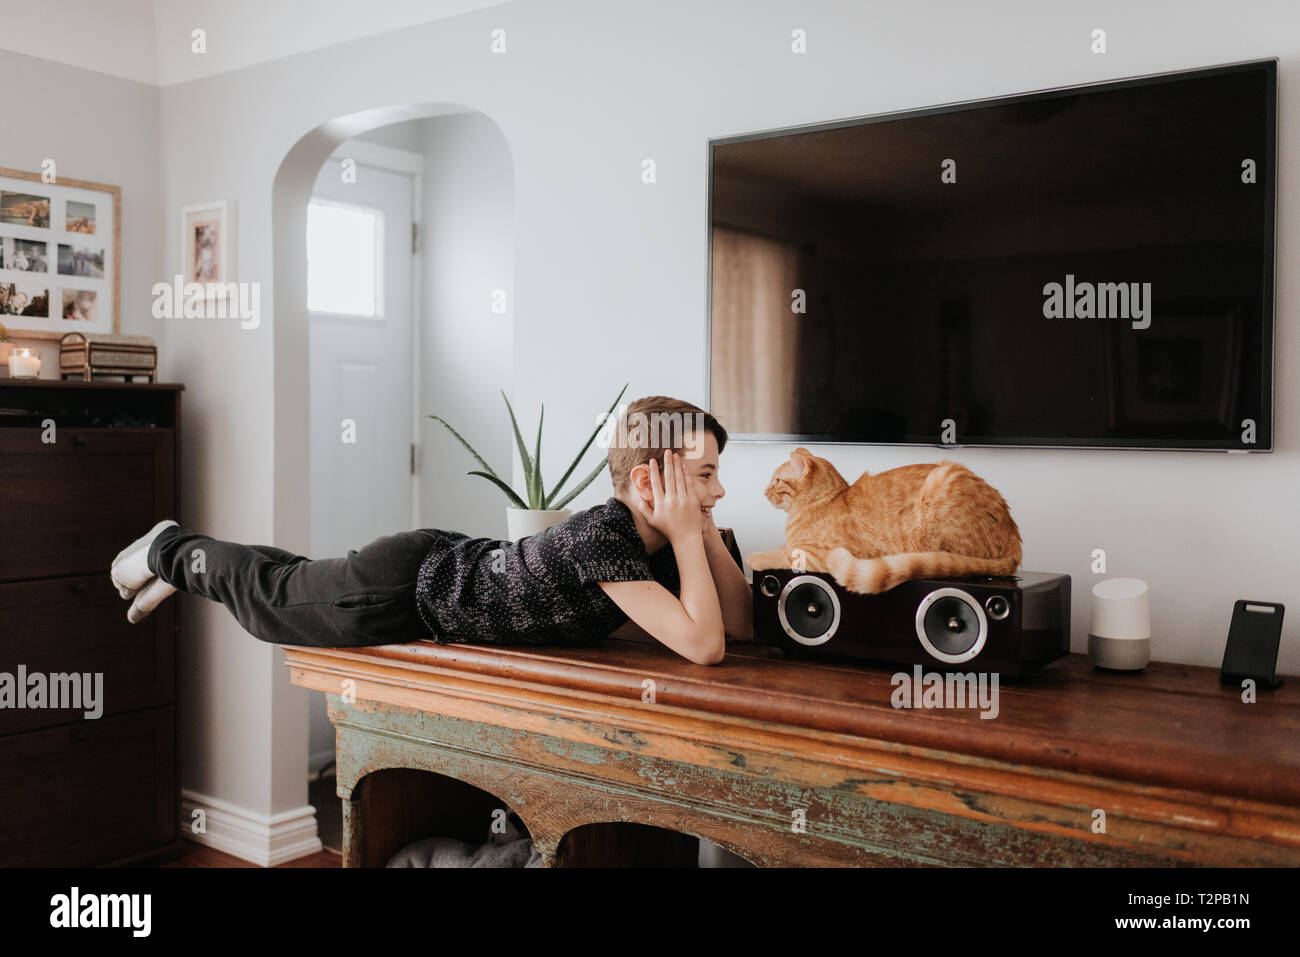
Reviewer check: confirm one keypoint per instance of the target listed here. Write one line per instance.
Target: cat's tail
(869, 576)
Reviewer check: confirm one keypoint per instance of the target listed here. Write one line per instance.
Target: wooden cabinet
(85, 468)
(438, 736)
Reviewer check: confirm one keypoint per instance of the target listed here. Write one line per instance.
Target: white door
(359, 264)
(359, 295)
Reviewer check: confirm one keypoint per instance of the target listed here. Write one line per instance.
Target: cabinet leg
(547, 850)
(354, 849)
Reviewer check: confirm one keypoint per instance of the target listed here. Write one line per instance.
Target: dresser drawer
(78, 626)
(90, 792)
(70, 506)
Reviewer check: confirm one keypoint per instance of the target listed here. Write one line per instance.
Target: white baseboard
(261, 839)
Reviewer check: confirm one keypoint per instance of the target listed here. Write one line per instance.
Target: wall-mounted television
(1085, 267)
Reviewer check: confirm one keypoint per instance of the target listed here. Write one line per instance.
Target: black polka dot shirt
(542, 589)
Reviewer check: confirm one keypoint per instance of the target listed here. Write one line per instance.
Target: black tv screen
(1088, 267)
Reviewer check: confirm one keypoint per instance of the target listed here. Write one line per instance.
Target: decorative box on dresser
(85, 468)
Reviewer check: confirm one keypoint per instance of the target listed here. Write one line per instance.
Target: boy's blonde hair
(652, 424)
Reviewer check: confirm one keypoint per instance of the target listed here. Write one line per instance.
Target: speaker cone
(809, 610)
(997, 606)
(951, 625)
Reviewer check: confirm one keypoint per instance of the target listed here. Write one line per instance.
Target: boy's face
(700, 461)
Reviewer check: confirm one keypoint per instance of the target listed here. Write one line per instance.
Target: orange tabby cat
(937, 520)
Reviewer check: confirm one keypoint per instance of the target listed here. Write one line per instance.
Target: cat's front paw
(761, 561)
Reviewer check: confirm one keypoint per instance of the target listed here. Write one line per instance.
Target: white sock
(148, 598)
(130, 571)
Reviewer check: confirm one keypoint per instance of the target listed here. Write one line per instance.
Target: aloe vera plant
(538, 498)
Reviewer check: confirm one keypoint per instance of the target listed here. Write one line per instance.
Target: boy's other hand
(676, 511)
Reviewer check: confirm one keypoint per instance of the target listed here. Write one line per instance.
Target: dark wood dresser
(85, 468)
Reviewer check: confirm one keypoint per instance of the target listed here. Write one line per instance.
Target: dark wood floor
(196, 855)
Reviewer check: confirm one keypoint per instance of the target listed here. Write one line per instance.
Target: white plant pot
(522, 522)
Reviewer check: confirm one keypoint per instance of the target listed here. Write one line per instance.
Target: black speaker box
(1008, 625)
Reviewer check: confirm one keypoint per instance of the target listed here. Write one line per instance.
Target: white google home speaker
(1120, 636)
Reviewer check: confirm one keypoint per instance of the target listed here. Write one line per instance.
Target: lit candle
(25, 364)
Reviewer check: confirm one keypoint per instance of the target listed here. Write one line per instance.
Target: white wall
(153, 40)
(609, 282)
(402, 136)
(117, 38)
(243, 32)
(97, 128)
(610, 274)
(467, 352)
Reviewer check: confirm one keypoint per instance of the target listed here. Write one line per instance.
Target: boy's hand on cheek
(676, 512)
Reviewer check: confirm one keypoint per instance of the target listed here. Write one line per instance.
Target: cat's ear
(801, 458)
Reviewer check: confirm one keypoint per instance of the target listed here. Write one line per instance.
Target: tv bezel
(1264, 432)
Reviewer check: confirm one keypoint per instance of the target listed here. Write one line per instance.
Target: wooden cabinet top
(1170, 725)
(12, 383)
(26, 403)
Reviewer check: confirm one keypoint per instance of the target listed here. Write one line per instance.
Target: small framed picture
(205, 251)
(60, 265)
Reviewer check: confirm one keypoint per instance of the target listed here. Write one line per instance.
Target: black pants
(367, 598)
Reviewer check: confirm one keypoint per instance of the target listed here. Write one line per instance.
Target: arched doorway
(464, 207)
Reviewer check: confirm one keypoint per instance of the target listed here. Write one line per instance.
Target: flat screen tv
(1089, 267)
